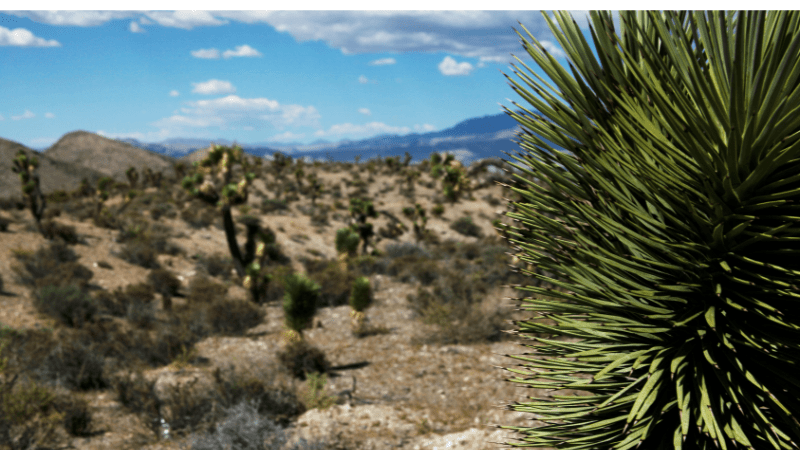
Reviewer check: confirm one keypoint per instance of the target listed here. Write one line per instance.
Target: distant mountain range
(470, 140)
(82, 154)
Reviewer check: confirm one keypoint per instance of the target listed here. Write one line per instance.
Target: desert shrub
(54, 230)
(28, 417)
(276, 287)
(437, 210)
(492, 200)
(133, 302)
(299, 301)
(139, 252)
(52, 265)
(68, 304)
(105, 219)
(403, 249)
(366, 265)
(163, 209)
(165, 283)
(135, 393)
(51, 212)
(216, 265)
(466, 227)
(361, 294)
(230, 316)
(347, 241)
(74, 365)
(410, 268)
(319, 216)
(4, 223)
(279, 403)
(271, 205)
(59, 196)
(204, 290)
(2, 285)
(198, 215)
(243, 428)
(300, 358)
(335, 283)
(10, 203)
(77, 418)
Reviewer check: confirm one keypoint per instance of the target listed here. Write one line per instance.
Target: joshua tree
(213, 182)
(675, 239)
(29, 178)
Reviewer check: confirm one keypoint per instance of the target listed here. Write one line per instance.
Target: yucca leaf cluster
(675, 243)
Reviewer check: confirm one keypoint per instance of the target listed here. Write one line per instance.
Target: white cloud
(449, 67)
(287, 136)
(365, 111)
(363, 80)
(210, 53)
(212, 87)
(242, 50)
(364, 130)
(484, 35)
(26, 115)
(2, 118)
(49, 115)
(184, 19)
(20, 37)
(426, 128)
(174, 93)
(553, 49)
(235, 112)
(73, 18)
(135, 28)
(383, 62)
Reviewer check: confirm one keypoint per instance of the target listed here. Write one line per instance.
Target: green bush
(438, 210)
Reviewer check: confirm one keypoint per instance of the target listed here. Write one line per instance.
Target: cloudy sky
(255, 76)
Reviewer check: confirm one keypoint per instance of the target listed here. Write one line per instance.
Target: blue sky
(271, 77)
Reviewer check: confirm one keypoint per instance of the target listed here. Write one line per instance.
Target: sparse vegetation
(107, 338)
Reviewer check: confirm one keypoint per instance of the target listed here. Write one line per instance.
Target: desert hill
(107, 156)
(54, 174)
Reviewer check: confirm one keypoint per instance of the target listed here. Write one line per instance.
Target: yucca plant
(675, 243)
(360, 299)
(299, 302)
